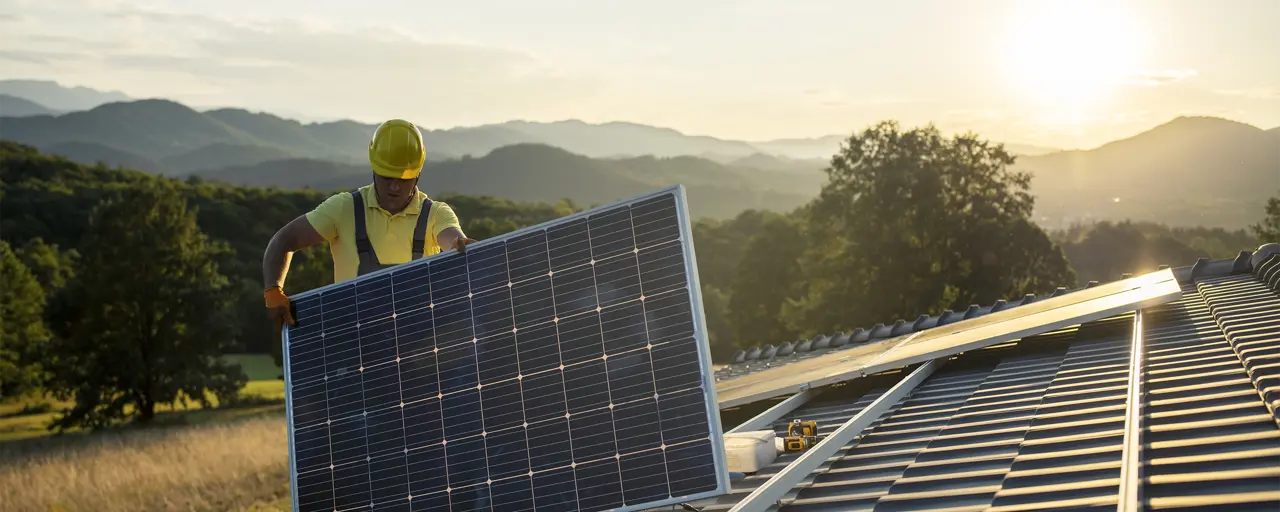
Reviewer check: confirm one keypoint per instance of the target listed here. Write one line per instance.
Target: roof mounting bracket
(1131, 456)
(770, 492)
(765, 419)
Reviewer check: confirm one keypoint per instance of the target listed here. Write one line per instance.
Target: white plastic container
(749, 452)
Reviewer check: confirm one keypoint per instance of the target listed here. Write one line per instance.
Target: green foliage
(1105, 250)
(22, 328)
(911, 222)
(767, 279)
(1268, 230)
(148, 320)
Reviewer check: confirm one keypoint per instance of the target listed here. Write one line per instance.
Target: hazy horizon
(1053, 74)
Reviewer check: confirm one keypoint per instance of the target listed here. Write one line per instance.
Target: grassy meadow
(219, 459)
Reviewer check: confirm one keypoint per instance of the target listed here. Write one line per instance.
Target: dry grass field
(212, 466)
(233, 459)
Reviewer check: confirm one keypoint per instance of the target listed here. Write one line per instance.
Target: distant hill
(92, 153)
(58, 97)
(537, 172)
(13, 106)
(1189, 171)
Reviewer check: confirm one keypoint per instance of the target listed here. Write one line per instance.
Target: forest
(123, 288)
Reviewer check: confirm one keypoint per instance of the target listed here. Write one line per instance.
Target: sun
(1068, 55)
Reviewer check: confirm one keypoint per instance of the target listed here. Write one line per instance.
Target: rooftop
(1045, 421)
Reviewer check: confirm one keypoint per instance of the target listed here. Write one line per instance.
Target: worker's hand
(461, 244)
(278, 309)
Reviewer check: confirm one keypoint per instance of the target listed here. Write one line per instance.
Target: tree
(150, 313)
(1268, 231)
(766, 279)
(22, 328)
(910, 222)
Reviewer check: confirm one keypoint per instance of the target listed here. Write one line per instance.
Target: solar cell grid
(557, 368)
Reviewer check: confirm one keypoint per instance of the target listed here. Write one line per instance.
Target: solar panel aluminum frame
(1152, 289)
(683, 220)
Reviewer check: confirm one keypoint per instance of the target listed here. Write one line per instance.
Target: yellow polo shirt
(390, 235)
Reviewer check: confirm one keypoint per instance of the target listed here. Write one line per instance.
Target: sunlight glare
(1067, 56)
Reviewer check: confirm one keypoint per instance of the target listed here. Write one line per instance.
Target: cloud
(1159, 78)
(295, 65)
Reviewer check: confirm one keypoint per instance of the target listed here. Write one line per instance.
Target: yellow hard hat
(396, 150)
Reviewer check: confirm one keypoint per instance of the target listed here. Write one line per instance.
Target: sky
(1061, 74)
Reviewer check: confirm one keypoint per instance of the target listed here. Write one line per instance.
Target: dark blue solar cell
(638, 426)
(491, 312)
(580, 338)
(690, 469)
(549, 444)
(373, 298)
(575, 290)
(611, 233)
(585, 386)
(599, 485)
(592, 434)
(470, 499)
(389, 479)
(630, 376)
(378, 342)
(423, 424)
(419, 377)
(351, 485)
(315, 489)
(538, 348)
(453, 323)
(512, 494)
(558, 367)
(676, 365)
(487, 267)
(662, 269)
(533, 302)
(502, 405)
(381, 386)
(527, 256)
(544, 396)
(683, 416)
(433, 502)
(449, 278)
(466, 461)
(427, 471)
(617, 280)
(568, 245)
(623, 327)
(312, 447)
(555, 490)
(644, 476)
(667, 318)
(310, 405)
(508, 452)
(654, 221)
(462, 414)
(348, 437)
(385, 430)
(497, 358)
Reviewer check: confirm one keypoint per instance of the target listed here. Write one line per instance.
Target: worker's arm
(448, 230)
(452, 237)
(295, 236)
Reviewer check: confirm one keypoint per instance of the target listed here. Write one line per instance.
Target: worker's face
(394, 194)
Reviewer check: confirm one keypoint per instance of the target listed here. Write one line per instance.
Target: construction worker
(381, 224)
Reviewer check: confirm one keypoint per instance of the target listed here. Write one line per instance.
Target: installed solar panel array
(561, 367)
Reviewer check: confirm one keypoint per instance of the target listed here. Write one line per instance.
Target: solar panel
(559, 367)
(1039, 317)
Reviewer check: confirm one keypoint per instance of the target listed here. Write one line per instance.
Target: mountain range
(1190, 170)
